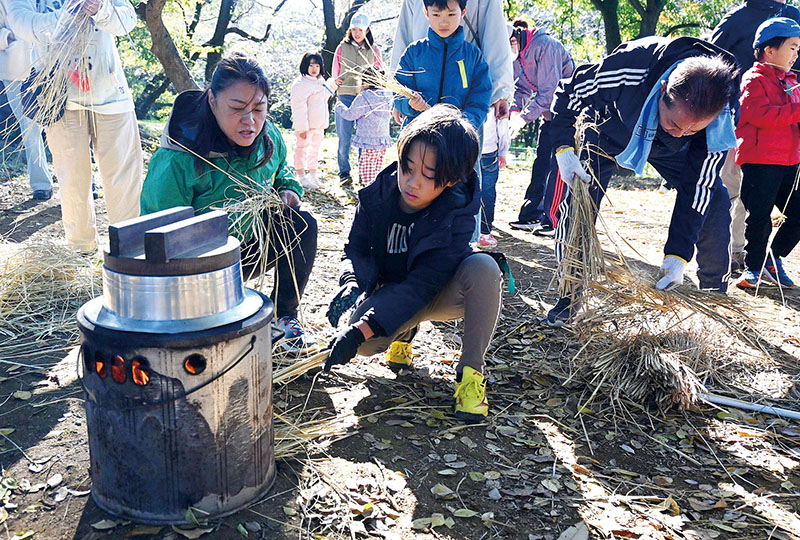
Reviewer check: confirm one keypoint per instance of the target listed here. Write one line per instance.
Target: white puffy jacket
(310, 103)
(35, 20)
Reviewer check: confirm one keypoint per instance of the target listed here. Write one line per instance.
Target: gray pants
(731, 175)
(31, 134)
(473, 294)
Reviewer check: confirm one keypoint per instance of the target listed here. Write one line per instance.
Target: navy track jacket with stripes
(612, 93)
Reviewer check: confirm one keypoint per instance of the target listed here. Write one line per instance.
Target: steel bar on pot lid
(126, 238)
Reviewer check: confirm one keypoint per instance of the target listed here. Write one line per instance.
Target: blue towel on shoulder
(720, 134)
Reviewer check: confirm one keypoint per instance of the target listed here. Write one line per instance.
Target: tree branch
(672, 29)
(242, 33)
(637, 5)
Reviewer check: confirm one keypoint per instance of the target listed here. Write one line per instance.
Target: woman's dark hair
(367, 37)
(444, 128)
(775, 42)
(520, 23)
(703, 84)
(307, 59)
(210, 138)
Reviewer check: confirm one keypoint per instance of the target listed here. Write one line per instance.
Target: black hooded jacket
(612, 93)
(736, 31)
(437, 245)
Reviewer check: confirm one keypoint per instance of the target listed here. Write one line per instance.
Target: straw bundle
(637, 343)
(379, 79)
(64, 63)
(42, 285)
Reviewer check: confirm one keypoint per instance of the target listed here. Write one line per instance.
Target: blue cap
(778, 27)
(360, 20)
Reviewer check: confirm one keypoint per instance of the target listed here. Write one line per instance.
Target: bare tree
(223, 28)
(334, 33)
(164, 47)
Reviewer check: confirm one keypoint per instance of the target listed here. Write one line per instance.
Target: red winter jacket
(768, 132)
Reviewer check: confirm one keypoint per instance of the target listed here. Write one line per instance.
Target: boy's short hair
(704, 84)
(775, 42)
(442, 4)
(311, 57)
(444, 128)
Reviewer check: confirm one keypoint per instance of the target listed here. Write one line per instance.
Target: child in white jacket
(309, 96)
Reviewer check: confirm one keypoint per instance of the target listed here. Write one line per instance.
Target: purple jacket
(371, 111)
(538, 68)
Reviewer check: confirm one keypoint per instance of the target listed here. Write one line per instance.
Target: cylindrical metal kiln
(177, 373)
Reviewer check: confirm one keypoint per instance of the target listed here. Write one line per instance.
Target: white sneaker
(313, 181)
(300, 177)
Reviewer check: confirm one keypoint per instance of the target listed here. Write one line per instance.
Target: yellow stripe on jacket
(463, 72)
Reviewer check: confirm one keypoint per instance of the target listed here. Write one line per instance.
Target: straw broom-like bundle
(64, 63)
(582, 262)
(637, 343)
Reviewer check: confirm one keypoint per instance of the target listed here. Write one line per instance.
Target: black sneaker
(346, 181)
(42, 194)
(561, 313)
(525, 225)
(547, 231)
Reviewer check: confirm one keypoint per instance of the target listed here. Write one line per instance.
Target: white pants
(731, 175)
(38, 175)
(118, 153)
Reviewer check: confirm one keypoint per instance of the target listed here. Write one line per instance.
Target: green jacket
(172, 179)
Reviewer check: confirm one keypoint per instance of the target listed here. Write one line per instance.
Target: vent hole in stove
(140, 372)
(118, 369)
(100, 364)
(194, 364)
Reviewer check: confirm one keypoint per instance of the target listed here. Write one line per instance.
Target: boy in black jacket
(408, 257)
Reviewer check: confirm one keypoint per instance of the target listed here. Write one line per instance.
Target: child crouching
(408, 258)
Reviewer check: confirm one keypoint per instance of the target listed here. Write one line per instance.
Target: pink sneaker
(487, 241)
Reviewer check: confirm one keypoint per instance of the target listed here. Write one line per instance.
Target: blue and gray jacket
(446, 70)
(437, 244)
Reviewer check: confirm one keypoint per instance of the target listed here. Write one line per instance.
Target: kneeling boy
(408, 257)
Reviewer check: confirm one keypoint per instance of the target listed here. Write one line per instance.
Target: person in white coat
(15, 65)
(99, 111)
(309, 100)
(484, 25)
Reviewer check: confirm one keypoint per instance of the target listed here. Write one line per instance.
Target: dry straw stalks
(638, 344)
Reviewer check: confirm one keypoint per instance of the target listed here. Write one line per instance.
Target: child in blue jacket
(443, 68)
(408, 258)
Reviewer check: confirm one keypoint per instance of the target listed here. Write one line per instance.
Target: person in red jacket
(768, 150)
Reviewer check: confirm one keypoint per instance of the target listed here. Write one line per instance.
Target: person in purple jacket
(371, 111)
(541, 61)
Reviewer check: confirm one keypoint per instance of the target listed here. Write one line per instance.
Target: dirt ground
(542, 466)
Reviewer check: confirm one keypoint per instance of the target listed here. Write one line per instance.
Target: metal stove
(177, 372)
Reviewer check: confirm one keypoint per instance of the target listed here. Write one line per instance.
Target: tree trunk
(608, 9)
(164, 48)
(218, 39)
(649, 14)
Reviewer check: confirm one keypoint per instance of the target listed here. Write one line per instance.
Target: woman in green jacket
(217, 146)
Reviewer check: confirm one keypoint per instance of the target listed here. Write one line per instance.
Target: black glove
(344, 300)
(344, 346)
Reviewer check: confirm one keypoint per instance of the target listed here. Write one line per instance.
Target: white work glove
(672, 270)
(570, 166)
(515, 125)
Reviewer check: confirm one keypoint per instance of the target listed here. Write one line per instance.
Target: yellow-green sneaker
(471, 403)
(399, 355)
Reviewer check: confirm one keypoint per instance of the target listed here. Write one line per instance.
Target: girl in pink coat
(309, 97)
